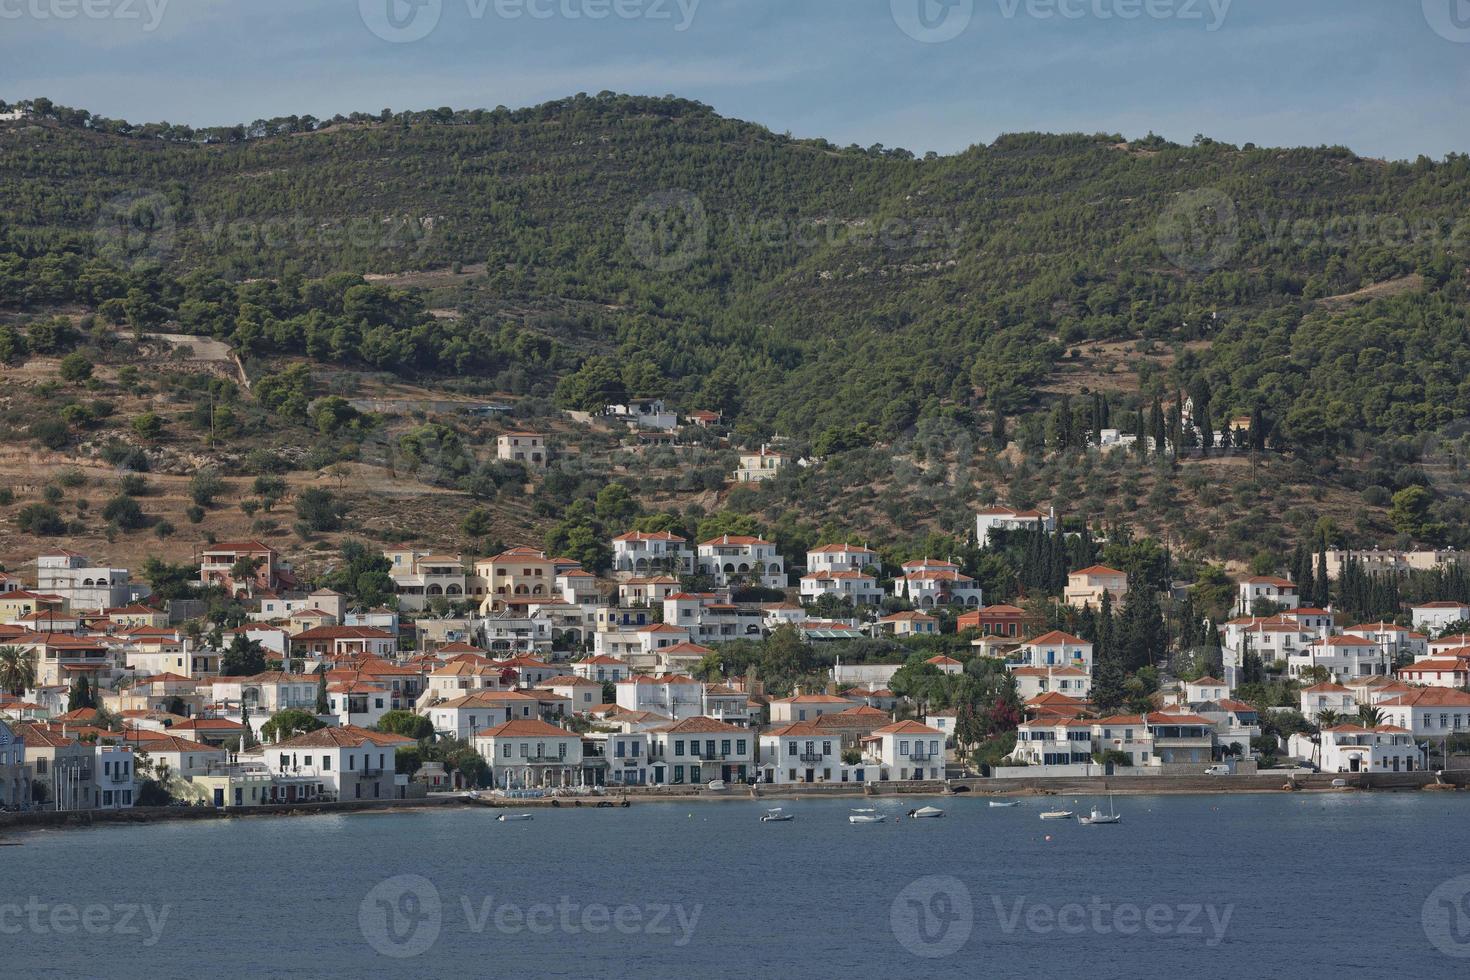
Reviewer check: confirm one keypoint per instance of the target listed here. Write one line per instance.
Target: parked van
(1218, 770)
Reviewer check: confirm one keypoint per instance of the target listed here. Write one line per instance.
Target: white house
(583, 694)
(602, 669)
(651, 552)
(801, 752)
(929, 582)
(1398, 641)
(418, 579)
(1433, 617)
(1057, 649)
(673, 696)
(1438, 672)
(906, 750)
(860, 588)
(531, 753)
(806, 707)
(736, 557)
(1429, 712)
(697, 750)
(1354, 748)
(1071, 681)
(840, 558)
(113, 772)
(1268, 588)
(1344, 657)
(1327, 697)
(1005, 519)
(84, 586)
(350, 762)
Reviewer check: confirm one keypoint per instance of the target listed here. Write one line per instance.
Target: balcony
(812, 757)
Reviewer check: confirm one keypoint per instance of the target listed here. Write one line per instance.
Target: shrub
(7, 496)
(133, 485)
(148, 426)
(124, 512)
(163, 529)
(50, 432)
(194, 513)
(205, 486)
(52, 494)
(319, 510)
(40, 519)
(75, 367)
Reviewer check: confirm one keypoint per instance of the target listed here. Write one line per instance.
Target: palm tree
(17, 669)
(1327, 718)
(1370, 715)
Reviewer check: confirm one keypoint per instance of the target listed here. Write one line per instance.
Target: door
(219, 797)
(811, 776)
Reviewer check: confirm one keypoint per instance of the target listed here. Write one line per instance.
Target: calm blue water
(1206, 886)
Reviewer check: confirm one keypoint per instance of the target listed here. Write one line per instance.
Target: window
(327, 763)
(678, 747)
(791, 748)
(827, 747)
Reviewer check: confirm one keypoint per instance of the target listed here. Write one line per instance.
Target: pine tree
(322, 704)
(1324, 586)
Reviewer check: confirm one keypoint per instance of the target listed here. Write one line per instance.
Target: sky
(1386, 78)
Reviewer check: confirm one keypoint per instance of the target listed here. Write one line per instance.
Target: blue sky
(1387, 78)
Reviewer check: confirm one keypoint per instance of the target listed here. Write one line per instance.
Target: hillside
(940, 331)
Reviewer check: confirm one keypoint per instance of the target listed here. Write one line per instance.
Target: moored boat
(776, 815)
(508, 817)
(926, 812)
(1057, 815)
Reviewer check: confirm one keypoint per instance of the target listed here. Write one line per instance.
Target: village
(525, 675)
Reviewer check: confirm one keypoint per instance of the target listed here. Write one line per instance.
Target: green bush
(125, 513)
(40, 519)
(52, 433)
(75, 367)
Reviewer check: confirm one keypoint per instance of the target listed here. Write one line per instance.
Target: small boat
(776, 815)
(1057, 815)
(716, 784)
(508, 817)
(926, 812)
(865, 818)
(1005, 802)
(1098, 817)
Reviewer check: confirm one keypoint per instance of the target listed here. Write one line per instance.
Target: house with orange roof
(698, 750)
(349, 762)
(419, 578)
(583, 694)
(1398, 641)
(1056, 649)
(514, 577)
(1085, 587)
(1434, 617)
(1031, 682)
(1444, 671)
(806, 707)
(1000, 620)
(1344, 657)
(646, 590)
(906, 750)
(735, 559)
(1428, 712)
(163, 755)
(991, 519)
(1449, 645)
(757, 466)
(1327, 696)
(646, 553)
(531, 754)
(22, 602)
(800, 752)
(854, 585)
(929, 583)
(333, 642)
(602, 668)
(60, 766)
(1270, 589)
(217, 564)
(840, 558)
(136, 614)
(1351, 747)
(15, 774)
(1050, 741)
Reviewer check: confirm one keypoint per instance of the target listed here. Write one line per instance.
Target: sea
(1290, 885)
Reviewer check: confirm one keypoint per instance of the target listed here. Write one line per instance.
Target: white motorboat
(716, 784)
(508, 817)
(926, 812)
(865, 818)
(777, 815)
(1098, 817)
(1005, 802)
(1057, 815)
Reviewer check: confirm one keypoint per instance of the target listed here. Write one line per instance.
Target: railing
(811, 757)
(120, 777)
